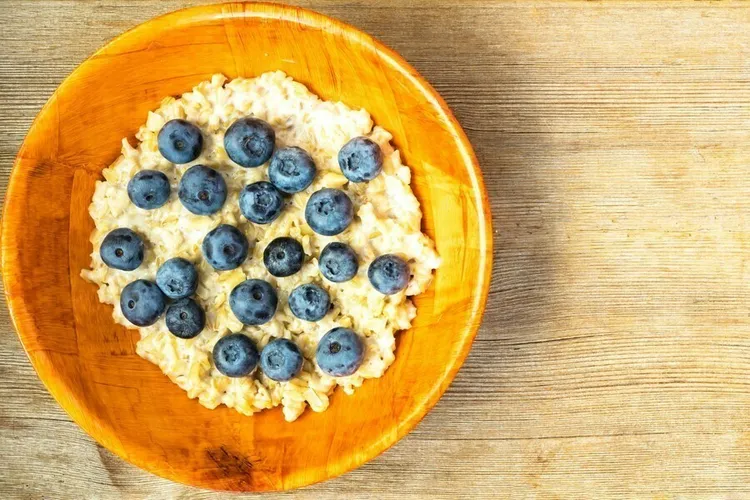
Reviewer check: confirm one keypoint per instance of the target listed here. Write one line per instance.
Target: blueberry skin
(309, 302)
(261, 202)
(283, 257)
(361, 160)
(122, 249)
(149, 189)
(291, 169)
(329, 211)
(389, 274)
(249, 142)
(185, 318)
(225, 247)
(340, 352)
(253, 302)
(235, 355)
(202, 190)
(177, 278)
(180, 141)
(338, 262)
(142, 302)
(281, 360)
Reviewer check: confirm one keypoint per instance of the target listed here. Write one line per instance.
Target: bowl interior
(89, 364)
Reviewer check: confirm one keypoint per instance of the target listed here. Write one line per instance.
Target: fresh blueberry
(361, 159)
(180, 141)
(261, 202)
(340, 352)
(202, 190)
(329, 211)
(142, 302)
(281, 360)
(309, 302)
(225, 247)
(185, 318)
(338, 262)
(177, 278)
(148, 189)
(249, 142)
(389, 274)
(122, 249)
(283, 257)
(235, 355)
(291, 169)
(253, 302)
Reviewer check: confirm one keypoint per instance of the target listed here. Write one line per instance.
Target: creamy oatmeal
(387, 221)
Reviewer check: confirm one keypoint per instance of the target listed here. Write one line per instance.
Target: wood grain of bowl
(89, 364)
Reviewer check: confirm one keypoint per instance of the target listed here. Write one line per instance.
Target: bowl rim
(293, 14)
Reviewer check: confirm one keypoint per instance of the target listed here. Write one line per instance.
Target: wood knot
(231, 464)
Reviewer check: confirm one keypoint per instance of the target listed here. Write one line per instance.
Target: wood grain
(613, 358)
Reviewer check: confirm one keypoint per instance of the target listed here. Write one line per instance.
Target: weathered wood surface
(615, 350)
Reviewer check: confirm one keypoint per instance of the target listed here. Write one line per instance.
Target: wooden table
(615, 352)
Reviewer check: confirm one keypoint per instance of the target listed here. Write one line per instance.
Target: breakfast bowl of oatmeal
(246, 247)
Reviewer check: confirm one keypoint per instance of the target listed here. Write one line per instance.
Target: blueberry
(185, 318)
(149, 189)
(253, 302)
(261, 202)
(291, 169)
(340, 352)
(235, 355)
(142, 302)
(225, 247)
(283, 257)
(361, 159)
(180, 141)
(249, 142)
(329, 211)
(122, 249)
(388, 274)
(202, 190)
(177, 278)
(309, 302)
(281, 360)
(338, 262)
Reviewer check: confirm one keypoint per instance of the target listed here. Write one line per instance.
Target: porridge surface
(388, 220)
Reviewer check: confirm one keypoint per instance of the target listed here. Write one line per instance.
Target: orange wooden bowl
(89, 364)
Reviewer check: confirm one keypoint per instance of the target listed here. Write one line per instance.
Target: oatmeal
(384, 220)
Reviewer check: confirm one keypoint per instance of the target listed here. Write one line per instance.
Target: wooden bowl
(89, 364)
